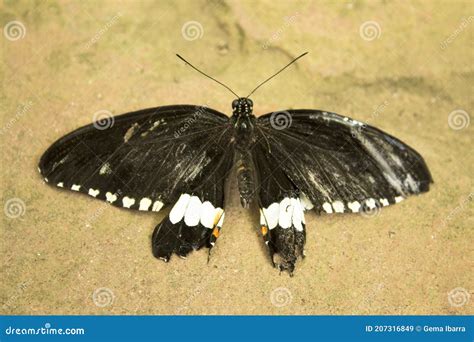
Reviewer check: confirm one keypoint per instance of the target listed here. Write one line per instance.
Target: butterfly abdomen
(245, 177)
(246, 173)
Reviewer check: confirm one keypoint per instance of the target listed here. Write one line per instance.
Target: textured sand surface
(405, 72)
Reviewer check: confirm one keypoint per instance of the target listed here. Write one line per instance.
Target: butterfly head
(242, 106)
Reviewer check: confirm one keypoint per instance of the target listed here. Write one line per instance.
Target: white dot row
(355, 206)
(145, 204)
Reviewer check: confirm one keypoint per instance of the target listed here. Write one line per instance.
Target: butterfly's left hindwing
(144, 160)
(340, 164)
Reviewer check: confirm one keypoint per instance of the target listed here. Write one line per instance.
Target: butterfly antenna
(212, 78)
(268, 79)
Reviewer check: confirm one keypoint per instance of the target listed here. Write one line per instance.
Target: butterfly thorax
(243, 122)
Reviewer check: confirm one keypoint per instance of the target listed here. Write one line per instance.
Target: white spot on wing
(305, 202)
(384, 202)
(179, 209)
(105, 169)
(144, 204)
(338, 206)
(75, 187)
(193, 212)
(354, 206)
(93, 192)
(111, 198)
(286, 213)
(398, 199)
(410, 183)
(157, 206)
(60, 184)
(327, 207)
(298, 215)
(396, 160)
(207, 214)
(316, 182)
(130, 132)
(155, 124)
(370, 203)
(271, 214)
(128, 202)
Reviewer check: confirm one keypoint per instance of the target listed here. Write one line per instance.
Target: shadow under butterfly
(288, 162)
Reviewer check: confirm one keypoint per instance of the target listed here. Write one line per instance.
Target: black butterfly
(288, 162)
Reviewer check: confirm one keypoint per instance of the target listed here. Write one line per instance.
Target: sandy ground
(402, 66)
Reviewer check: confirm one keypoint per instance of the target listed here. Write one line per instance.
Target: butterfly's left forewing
(144, 160)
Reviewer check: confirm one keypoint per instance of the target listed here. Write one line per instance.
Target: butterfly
(286, 163)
